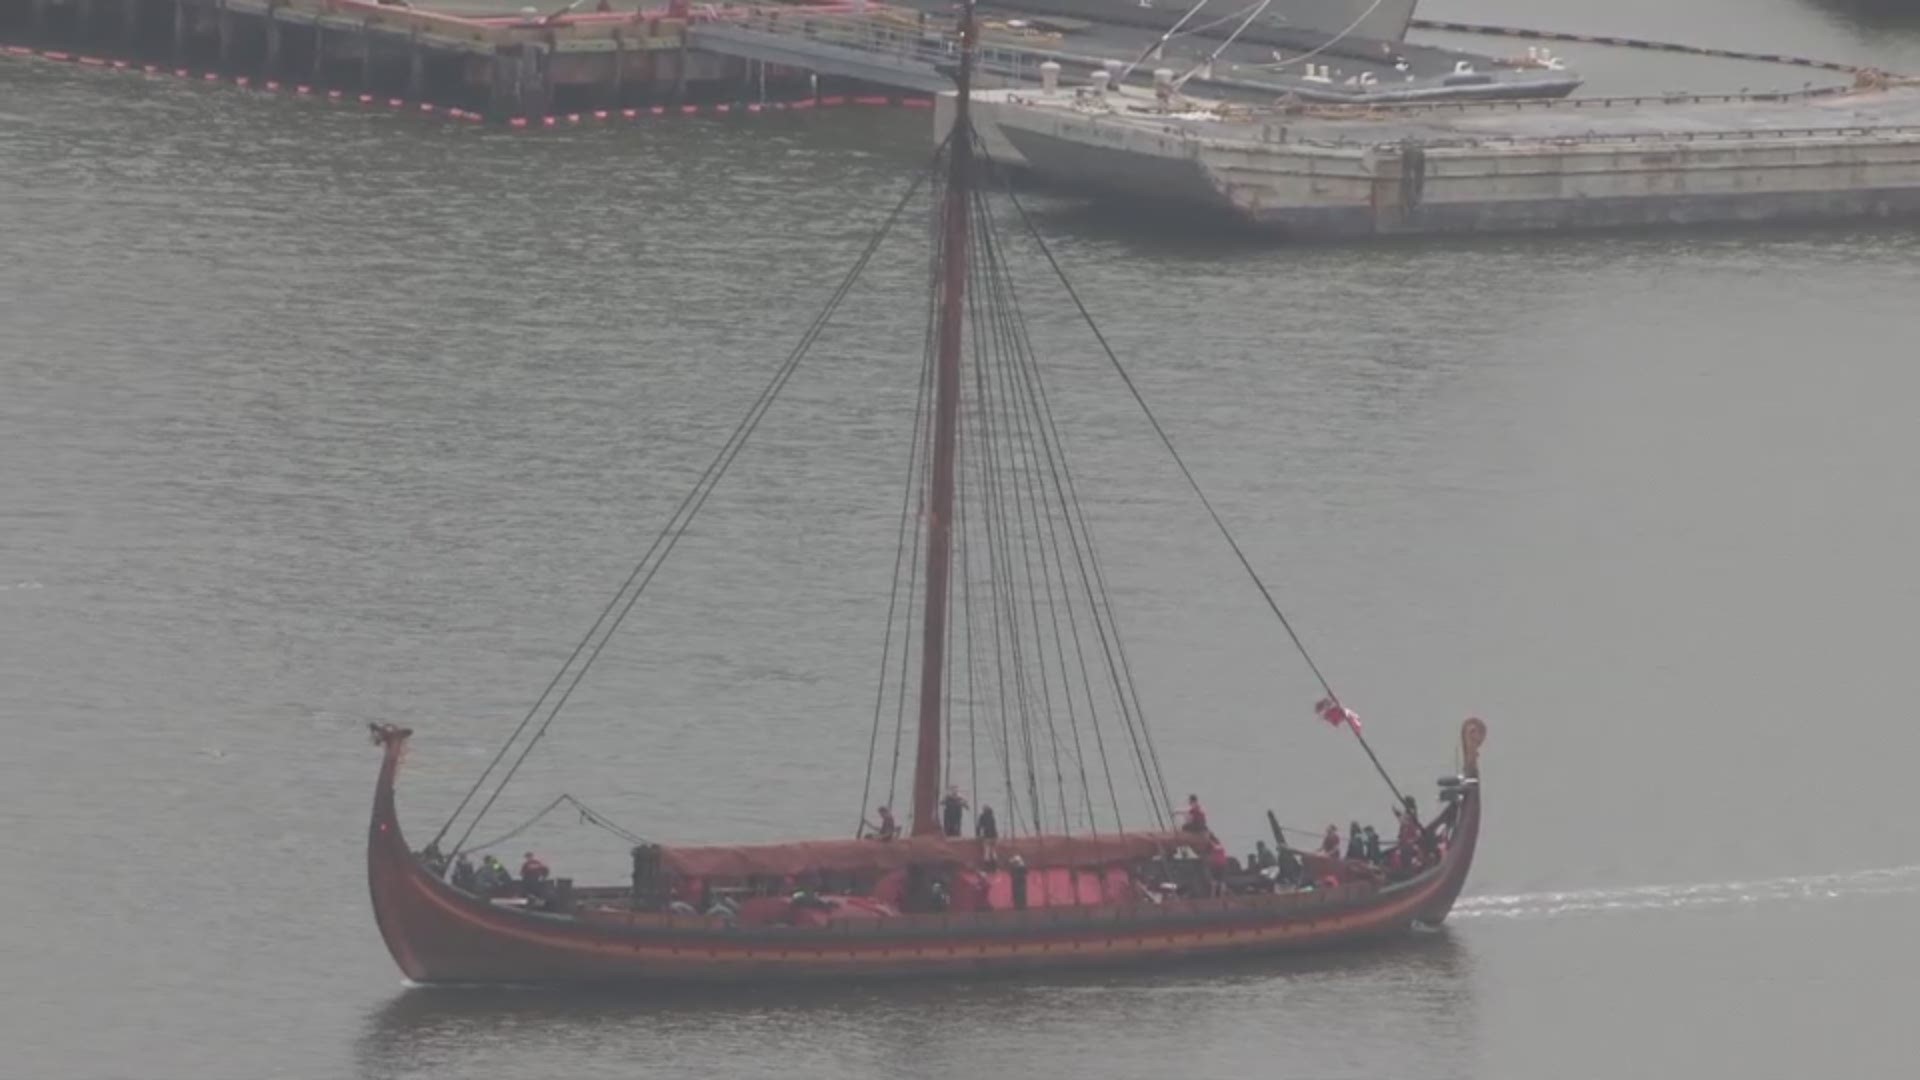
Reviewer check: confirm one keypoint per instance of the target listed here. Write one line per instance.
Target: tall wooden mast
(956, 214)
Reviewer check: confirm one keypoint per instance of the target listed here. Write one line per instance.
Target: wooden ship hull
(439, 934)
(1063, 891)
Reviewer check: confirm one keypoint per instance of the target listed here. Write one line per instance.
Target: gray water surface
(309, 418)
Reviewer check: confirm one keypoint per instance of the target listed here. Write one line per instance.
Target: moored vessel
(1818, 155)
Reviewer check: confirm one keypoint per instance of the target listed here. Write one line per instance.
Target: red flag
(1337, 714)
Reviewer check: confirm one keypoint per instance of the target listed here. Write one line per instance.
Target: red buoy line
(459, 115)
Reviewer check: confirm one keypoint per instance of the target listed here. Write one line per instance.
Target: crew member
(984, 826)
(1330, 844)
(1409, 822)
(532, 871)
(1219, 865)
(952, 809)
(1196, 816)
(494, 875)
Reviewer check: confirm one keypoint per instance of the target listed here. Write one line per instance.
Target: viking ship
(1021, 661)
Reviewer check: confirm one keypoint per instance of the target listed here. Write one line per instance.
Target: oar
(1274, 822)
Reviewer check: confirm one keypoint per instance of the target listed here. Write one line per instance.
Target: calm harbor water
(309, 418)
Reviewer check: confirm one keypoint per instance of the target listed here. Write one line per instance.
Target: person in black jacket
(953, 809)
(987, 831)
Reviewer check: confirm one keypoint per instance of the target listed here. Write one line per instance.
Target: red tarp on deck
(844, 856)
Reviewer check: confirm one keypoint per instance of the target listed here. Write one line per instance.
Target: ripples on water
(309, 417)
(1898, 880)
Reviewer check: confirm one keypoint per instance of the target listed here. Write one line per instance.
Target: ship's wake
(1882, 882)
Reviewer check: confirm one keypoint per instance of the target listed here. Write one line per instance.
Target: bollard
(416, 66)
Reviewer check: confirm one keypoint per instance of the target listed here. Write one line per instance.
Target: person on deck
(953, 809)
(888, 828)
(464, 877)
(986, 830)
(494, 875)
(1196, 816)
(1412, 837)
(1356, 843)
(1219, 865)
(1263, 857)
(1373, 845)
(1409, 822)
(532, 871)
(1330, 844)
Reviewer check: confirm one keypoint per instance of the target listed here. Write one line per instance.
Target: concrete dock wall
(499, 67)
(1803, 157)
(1414, 189)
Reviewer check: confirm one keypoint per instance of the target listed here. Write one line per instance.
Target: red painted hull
(438, 934)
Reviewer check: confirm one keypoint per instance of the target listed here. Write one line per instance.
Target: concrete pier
(502, 66)
(528, 66)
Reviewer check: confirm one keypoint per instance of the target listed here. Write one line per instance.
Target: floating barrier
(457, 114)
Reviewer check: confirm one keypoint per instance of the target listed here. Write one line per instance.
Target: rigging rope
(966, 620)
(588, 816)
(1018, 359)
(677, 524)
(1015, 455)
(1231, 38)
(995, 581)
(1113, 359)
(1172, 31)
(1145, 754)
(1325, 45)
(900, 555)
(923, 435)
(1009, 651)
